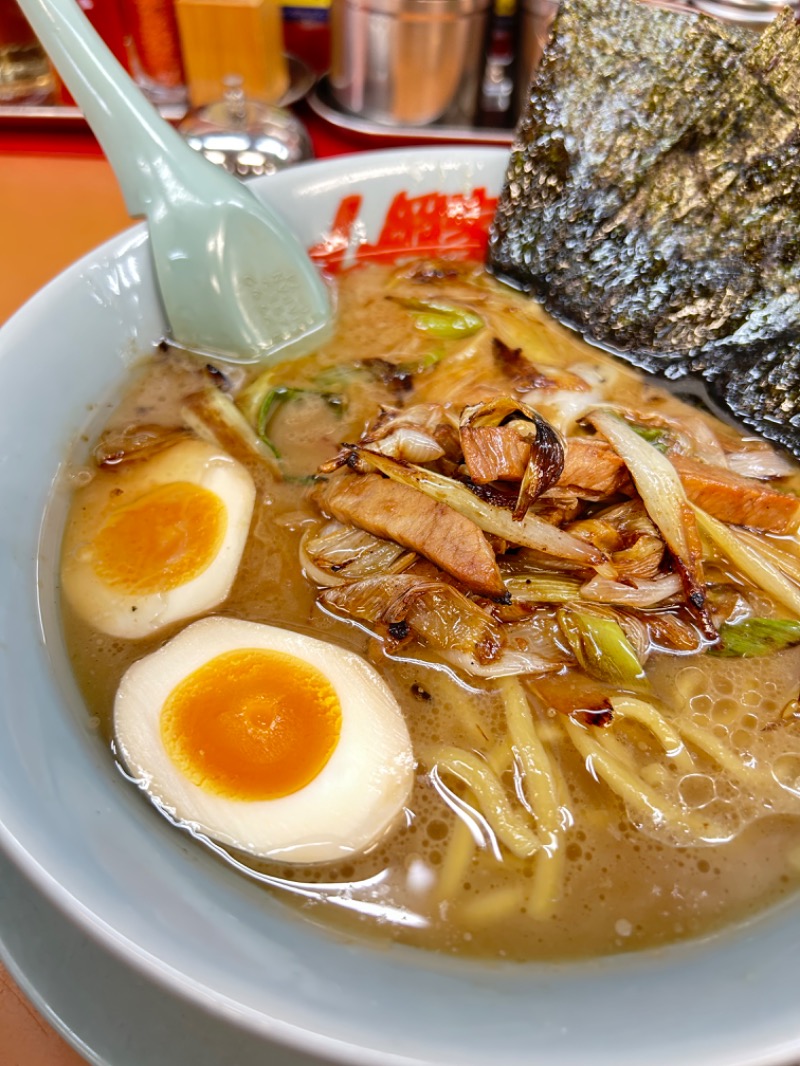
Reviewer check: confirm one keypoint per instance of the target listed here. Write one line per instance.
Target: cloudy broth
(609, 877)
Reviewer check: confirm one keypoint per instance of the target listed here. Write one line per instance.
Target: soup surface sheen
(607, 753)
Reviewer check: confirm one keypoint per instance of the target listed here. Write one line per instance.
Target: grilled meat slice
(593, 469)
(494, 453)
(743, 501)
(401, 513)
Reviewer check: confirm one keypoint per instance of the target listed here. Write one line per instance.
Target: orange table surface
(52, 211)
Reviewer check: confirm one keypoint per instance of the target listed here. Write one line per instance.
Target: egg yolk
(162, 539)
(252, 724)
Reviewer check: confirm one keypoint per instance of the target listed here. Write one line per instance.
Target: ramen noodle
(581, 592)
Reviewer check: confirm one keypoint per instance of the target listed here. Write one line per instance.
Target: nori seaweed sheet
(652, 199)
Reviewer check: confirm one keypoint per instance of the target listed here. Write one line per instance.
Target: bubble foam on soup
(594, 770)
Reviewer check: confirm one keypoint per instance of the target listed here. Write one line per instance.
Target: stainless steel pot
(537, 16)
(752, 14)
(408, 62)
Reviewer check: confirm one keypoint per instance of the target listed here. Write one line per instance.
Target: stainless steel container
(752, 14)
(537, 16)
(408, 62)
(535, 22)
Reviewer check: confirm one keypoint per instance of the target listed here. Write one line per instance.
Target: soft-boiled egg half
(156, 540)
(266, 740)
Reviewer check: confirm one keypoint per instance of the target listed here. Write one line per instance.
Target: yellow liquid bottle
(240, 38)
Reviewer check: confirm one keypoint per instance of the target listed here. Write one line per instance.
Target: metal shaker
(408, 62)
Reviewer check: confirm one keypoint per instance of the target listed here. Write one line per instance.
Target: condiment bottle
(495, 102)
(155, 51)
(25, 72)
(244, 38)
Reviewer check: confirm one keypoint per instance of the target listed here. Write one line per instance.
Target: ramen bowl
(165, 906)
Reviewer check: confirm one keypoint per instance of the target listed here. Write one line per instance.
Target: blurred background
(370, 66)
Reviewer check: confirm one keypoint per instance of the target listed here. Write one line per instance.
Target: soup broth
(608, 751)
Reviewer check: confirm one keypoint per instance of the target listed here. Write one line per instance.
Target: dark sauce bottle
(496, 97)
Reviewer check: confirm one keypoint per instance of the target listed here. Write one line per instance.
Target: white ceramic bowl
(174, 914)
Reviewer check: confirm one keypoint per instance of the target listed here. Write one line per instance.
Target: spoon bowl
(234, 280)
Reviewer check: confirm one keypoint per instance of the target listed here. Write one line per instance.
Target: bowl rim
(321, 177)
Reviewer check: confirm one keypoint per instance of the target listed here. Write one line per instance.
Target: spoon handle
(133, 135)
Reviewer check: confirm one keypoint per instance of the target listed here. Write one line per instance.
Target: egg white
(353, 801)
(132, 616)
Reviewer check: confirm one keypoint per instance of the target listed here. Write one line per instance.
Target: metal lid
(429, 10)
(246, 137)
(772, 6)
(753, 14)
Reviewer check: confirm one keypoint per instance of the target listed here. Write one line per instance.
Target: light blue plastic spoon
(235, 281)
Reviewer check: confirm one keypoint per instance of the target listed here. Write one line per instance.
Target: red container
(106, 17)
(151, 29)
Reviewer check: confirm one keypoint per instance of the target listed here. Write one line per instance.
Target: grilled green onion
(602, 649)
(756, 636)
(543, 588)
(442, 319)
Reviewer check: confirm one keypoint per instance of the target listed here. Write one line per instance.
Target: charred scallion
(756, 636)
(602, 649)
(439, 319)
